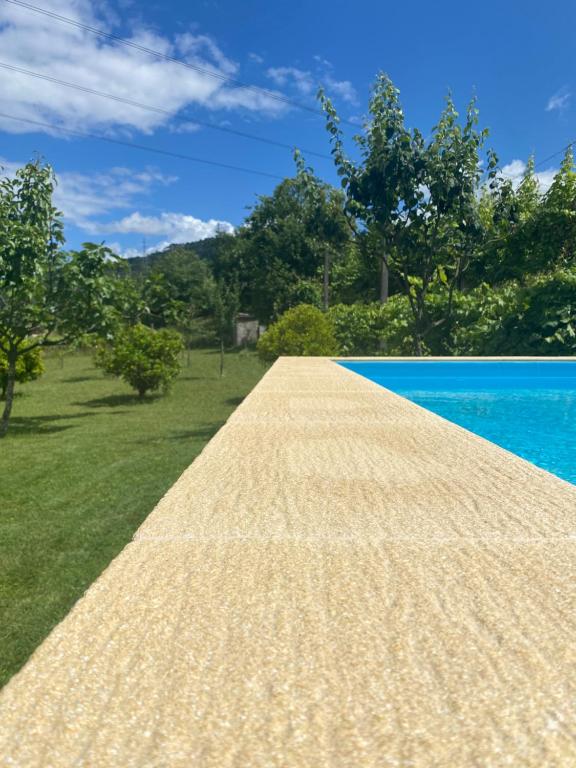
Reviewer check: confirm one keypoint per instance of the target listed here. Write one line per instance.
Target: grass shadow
(204, 433)
(234, 400)
(114, 401)
(78, 379)
(184, 377)
(44, 425)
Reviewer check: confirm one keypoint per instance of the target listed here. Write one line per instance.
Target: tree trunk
(326, 287)
(221, 357)
(418, 335)
(10, 382)
(384, 279)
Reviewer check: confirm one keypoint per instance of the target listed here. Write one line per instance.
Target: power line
(551, 157)
(172, 59)
(540, 164)
(158, 110)
(142, 147)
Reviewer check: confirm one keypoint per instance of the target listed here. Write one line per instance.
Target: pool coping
(456, 360)
(317, 466)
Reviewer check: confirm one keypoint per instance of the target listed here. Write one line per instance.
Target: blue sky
(517, 57)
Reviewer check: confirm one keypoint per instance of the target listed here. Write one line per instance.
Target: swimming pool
(528, 407)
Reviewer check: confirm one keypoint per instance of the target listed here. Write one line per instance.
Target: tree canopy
(48, 296)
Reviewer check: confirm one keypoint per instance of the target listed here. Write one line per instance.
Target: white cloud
(84, 198)
(342, 88)
(515, 172)
(175, 227)
(302, 80)
(256, 58)
(306, 81)
(321, 60)
(559, 101)
(34, 42)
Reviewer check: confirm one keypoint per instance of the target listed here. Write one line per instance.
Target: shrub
(146, 359)
(373, 329)
(302, 330)
(29, 366)
(537, 318)
(358, 328)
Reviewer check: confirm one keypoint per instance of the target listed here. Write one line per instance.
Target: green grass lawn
(83, 464)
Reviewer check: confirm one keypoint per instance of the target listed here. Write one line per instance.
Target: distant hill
(205, 249)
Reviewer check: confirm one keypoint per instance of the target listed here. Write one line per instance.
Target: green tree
(47, 296)
(556, 218)
(326, 226)
(302, 330)
(288, 244)
(226, 303)
(417, 199)
(146, 359)
(509, 214)
(178, 285)
(29, 366)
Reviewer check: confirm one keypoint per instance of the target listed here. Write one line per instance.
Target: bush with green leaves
(146, 359)
(534, 318)
(29, 366)
(302, 330)
(358, 328)
(374, 329)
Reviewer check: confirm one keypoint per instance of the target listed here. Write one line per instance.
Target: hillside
(205, 249)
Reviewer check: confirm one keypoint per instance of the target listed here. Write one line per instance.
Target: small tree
(225, 305)
(146, 359)
(47, 296)
(29, 366)
(302, 330)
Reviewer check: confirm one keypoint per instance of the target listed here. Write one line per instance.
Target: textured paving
(340, 580)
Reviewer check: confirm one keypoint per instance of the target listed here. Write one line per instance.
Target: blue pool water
(527, 407)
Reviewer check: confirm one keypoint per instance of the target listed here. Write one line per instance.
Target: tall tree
(47, 296)
(557, 217)
(288, 243)
(325, 221)
(417, 198)
(509, 212)
(380, 187)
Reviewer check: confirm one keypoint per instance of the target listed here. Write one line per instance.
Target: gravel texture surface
(341, 580)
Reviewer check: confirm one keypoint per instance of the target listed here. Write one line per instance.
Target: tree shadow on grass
(44, 425)
(234, 400)
(184, 377)
(114, 401)
(78, 379)
(203, 433)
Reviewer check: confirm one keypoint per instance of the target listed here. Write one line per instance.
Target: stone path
(340, 580)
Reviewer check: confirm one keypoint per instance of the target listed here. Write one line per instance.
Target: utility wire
(540, 164)
(551, 157)
(142, 147)
(210, 73)
(172, 59)
(158, 110)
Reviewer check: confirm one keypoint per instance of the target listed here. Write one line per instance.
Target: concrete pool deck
(340, 580)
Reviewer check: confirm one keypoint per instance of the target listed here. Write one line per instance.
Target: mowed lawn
(83, 464)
